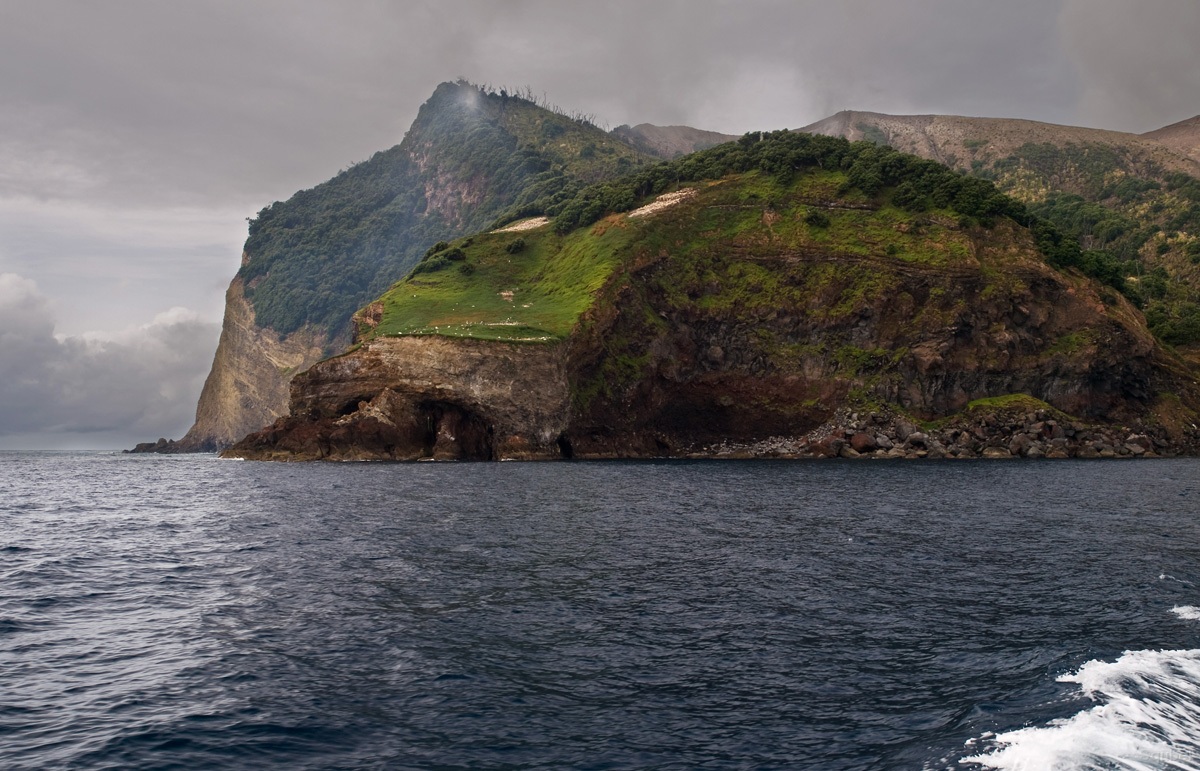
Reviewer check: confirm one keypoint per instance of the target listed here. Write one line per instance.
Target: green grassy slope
(469, 158)
(534, 294)
(780, 194)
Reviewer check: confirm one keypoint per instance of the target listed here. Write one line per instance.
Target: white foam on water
(1148, 717)
(1187, 612)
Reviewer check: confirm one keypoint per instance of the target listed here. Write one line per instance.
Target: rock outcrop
(431, 397)
(248, 383)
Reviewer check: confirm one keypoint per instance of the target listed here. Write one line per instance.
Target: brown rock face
(934, 341)
(247, 387)
(410, 398)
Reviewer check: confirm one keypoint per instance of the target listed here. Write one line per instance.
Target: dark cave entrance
(455, 433)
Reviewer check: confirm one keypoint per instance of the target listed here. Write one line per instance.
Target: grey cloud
(207, 101)
(98, 392)
(245, 102)
(775, 64)
(249, 101)
(1140, 62)
(113, 266)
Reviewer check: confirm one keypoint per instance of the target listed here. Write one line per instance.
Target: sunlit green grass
(722, 240)
(534, 295)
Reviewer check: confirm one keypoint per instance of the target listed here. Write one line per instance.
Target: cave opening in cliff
(456, 433)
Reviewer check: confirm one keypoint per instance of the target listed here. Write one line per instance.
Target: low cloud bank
(95, 390)
(1137, 61)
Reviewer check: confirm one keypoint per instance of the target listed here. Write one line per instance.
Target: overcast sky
(136, 136)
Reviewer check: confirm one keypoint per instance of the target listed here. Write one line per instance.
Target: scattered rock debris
(1008, 434)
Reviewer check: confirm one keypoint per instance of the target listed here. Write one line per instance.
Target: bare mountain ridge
(670, 141)
(1183, 137)
(958, 140)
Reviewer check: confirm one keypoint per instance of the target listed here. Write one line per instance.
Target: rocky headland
(479, 160)
(785, 315)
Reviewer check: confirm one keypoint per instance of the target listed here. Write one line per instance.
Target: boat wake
(1147, 717)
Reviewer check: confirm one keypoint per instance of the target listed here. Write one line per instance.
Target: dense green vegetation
(1138, 225)
(876, 172)
(325, 252)
(761, 196)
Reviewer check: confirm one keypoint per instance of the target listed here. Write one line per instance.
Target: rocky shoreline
(1005, 434)
(1030, 432)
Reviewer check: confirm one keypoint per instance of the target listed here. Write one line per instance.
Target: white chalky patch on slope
(529, 224)
(664, 201)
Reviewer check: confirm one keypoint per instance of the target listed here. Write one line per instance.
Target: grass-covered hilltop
(784, 294)
(531, 281)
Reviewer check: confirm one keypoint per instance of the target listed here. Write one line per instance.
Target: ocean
(186, 612)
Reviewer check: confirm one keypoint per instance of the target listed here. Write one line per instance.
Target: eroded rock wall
(658, 378)
(410, 398)
(247, 387)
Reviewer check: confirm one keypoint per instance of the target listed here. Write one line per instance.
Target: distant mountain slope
(958, 141)
(1183, 137)
(1134, 200)
(670, 141)
(469, 158)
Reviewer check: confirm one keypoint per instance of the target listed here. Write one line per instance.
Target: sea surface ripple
(184, 612)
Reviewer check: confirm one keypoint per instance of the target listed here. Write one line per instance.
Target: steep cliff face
(747, 307)
(311, 261)
(674, 364)
(424, 397)
(249, 376)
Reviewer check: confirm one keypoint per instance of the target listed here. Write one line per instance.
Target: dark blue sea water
(187, 612)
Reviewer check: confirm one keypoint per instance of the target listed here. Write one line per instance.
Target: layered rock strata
(247, 386)
(410, 398)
